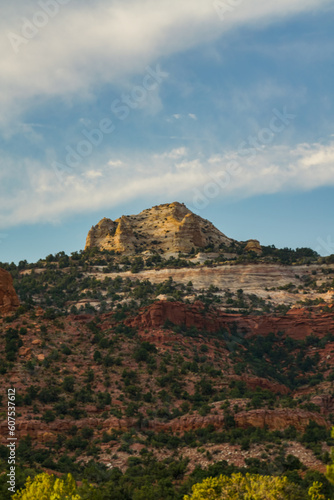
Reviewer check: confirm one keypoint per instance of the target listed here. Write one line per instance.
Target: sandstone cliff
(297, 324)
(8, 299)
(278, 419)
(253, 246)
(167, 229)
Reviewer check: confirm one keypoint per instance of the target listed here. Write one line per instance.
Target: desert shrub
(46, 486)
(68, 383)
(239, 487)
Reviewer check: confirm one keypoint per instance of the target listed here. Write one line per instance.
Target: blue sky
(111, 108)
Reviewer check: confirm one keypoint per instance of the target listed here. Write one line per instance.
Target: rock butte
(8, 299)
(167, 229)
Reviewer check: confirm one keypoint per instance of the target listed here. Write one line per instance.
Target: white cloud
(38, 196)
(174, 154)
(115, 163)
(92, 174)
(90, 44)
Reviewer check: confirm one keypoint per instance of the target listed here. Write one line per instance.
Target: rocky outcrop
(298, 323)
(325, 403)
(167, 229)
(269, 281)
(8, 299)
(274, 420)
(103, 231)
(42, 432)
(257, 382)
(253, 246)
(278, 419)
(163, 311)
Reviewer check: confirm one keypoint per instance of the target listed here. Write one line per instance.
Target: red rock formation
(42, 432)
(298, 323)
(278, 419)
(178, 313)
(254, 382)
(187, 423)
(8, 299)
(325, 402)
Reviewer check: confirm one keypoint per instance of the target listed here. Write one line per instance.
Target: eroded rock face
(253, 246)
(157, 314)
(325, 402)
(257, 382)
(297, 324)
(168, 228)
(279, 419)
(8, 299)
(255, 279)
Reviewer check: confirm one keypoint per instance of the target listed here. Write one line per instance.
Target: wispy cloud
(39, 197)
(87, 45)
(174, 154)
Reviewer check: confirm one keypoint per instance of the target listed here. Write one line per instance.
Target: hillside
(146, 372)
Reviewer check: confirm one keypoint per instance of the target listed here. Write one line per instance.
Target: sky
(111, 107)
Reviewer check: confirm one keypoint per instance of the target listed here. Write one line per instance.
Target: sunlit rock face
(168, 229)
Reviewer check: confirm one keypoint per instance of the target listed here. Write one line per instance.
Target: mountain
(167, 229)
(143, 370)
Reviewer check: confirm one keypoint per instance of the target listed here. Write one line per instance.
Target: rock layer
(279, 419)
(268, 281)
(8, 299)
(297, 324)
(168, 228)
